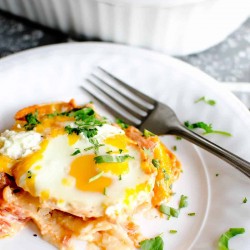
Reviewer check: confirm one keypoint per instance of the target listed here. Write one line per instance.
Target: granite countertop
(228, 61)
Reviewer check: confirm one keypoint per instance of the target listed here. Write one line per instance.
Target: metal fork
(154, 116)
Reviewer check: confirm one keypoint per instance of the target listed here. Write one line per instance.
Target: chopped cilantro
(29, 174)
(217, 175)
(203, 99)
(156, 163)
(88, 132)
(178, 138)
(95, 146)
(244, 200)
(147, 133)
(105, 191)
(85, 122)
(191, 214)
(120, 151)
(31, 120)
(169, 211)
(183, 201)
(206, 127)
(121, 123)
(52, 114)
(96, 176)
(172, 231)
(174, 148)
(112, 158)
(77, 151)
(224, 238)
(166, 175)
(120, 177)
(83, 114)
(152, 244)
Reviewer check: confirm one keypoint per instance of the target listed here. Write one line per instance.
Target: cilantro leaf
(147, 133)
(76, 152)
(244, 200)
(152, 244)
(85, 122)
(209, 102)
(172, 231)
(111, 158)
(206, 127)
(83, 114)
(88, 132)
(121, 123)
(96, 176)
(169, 211)
(156, 163)
(183, 201)
(29, 174)
(224, 238)
(32, 121)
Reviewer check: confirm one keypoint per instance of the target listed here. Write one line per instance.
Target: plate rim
(152, 55)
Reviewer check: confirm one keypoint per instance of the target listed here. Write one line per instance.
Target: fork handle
(234, 160)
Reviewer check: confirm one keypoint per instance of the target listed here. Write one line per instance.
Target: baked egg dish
(77, 175)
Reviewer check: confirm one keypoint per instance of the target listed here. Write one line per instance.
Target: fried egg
(66, 158)
(65, 175)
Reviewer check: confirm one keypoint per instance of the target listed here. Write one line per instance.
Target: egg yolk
(83, 169)
(23, 167)
(118, 141)
(5, 164)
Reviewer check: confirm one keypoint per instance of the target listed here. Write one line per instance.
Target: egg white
(54, 167)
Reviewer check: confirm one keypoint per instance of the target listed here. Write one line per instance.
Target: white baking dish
(176, 27)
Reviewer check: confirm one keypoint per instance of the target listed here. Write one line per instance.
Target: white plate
(55, 73)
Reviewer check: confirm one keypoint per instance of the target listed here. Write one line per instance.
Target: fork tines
(121, 99)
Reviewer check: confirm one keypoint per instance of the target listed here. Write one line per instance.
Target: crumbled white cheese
(19, 144)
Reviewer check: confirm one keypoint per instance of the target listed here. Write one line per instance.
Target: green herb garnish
(95, 146)
(147, 133)
(152, 244)
(206, 127)
(166, 175)
(112, 158)
(191, 214)
(203, 99)
(121, 123)
(120, 177)
(94, 178)
(85, 122)
(105, 191)
(224, 238)
(169, 211)
(156, 163)
(244, 200)
(77, 151)
(174, 148)
(88, 132)
(183, 201)
(29, 174)
(178, 138)
(32, 121)
(216, 175)
(173, 231)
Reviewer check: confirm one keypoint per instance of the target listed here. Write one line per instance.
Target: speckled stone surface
(17, 34)
(229, 61)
